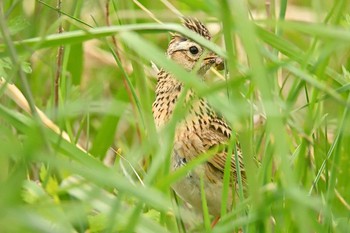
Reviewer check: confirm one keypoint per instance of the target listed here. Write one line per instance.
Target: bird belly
(189, 188)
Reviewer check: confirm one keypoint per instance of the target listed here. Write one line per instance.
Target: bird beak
(213, 60)
(219, 63)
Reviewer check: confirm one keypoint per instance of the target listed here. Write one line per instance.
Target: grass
(293, 74)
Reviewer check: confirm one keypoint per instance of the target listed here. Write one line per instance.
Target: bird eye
(194, 50)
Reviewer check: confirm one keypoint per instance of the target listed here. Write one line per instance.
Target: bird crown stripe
(198, 27)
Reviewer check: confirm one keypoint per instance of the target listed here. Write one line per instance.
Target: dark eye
(194, 50)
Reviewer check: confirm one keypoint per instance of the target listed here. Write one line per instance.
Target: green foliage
(295, 74)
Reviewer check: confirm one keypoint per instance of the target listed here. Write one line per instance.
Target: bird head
(190, 54)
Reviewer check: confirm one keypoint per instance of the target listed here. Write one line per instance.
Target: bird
(201, 129)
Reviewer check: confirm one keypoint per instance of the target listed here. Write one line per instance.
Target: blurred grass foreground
(78, 148)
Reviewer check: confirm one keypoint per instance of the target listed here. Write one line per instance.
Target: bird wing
(202, 131)
(217, 135)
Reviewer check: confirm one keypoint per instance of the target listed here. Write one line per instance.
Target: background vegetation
(285, 91)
